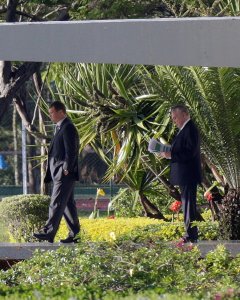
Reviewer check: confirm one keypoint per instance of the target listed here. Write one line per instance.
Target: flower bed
(123, 270)
(107, 229)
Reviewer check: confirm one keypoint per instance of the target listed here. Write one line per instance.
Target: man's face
(179, 117)
(56, 115)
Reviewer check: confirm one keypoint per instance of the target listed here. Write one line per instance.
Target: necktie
(57, 128)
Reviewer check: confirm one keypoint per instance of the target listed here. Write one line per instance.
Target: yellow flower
(100, 192)
(112, 235)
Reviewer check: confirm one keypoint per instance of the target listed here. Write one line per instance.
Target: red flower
(111, 217)
(208, 196)
(175, 206)
(217, 297)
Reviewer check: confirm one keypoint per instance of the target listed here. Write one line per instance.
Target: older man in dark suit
(185, 167)
(62, 169)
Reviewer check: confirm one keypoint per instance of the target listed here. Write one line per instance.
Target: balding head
(179, 115)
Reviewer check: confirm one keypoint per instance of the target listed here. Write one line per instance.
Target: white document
(156, 146)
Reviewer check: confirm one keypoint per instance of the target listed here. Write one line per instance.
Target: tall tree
(16, 76)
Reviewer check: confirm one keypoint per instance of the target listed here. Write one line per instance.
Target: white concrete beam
(186, 41)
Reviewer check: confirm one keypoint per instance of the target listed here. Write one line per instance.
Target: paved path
(206, 246)
(20, 251)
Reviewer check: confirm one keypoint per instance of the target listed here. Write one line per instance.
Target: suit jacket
(63, 153)
(185, 156)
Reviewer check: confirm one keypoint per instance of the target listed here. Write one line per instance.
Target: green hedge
(24, 214)
(107, 229)
(114, 271)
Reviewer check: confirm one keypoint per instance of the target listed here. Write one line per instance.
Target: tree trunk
(151, 211)
(15, 145)
(31, 170)
(11, 10)
(39, 85)
(43, 187)
(6, 66)
(216, 198)
(12, 79)
(229, 224)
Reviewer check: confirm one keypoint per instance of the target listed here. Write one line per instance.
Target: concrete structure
(182, 41)
(21, 251)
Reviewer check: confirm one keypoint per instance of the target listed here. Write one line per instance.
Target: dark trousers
(189, 206)
(62, 204)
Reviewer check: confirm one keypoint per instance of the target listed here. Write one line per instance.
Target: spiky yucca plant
(114, 112)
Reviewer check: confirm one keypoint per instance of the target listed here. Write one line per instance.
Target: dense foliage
(127, 105)
(127, 9)
(123, 258)
(24, 214)
(117, 229)
(124, 268)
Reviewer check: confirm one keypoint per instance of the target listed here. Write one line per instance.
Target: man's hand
(165, 155)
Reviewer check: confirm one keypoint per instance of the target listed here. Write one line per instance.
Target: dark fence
(84, 194)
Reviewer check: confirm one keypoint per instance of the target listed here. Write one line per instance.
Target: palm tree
(212, 94)
(232, 7)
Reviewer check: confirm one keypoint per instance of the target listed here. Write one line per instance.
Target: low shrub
(39, 292)
(127, 270)
(127, 203)
(24, 214)
(105, 229)
(110, 229)
(208, 230)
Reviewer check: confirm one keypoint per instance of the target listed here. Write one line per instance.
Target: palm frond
(212, 95)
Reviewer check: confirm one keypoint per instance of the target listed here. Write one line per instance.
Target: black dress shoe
(189, 240)
(43, 237)
(193, 241)
(70, 239)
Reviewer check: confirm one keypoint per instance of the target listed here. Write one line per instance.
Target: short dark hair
(180, 107)
(58, 105)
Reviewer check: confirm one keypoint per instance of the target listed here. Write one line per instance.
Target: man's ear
(62, 112)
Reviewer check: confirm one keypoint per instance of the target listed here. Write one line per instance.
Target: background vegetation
(130, 266)
(117, 109)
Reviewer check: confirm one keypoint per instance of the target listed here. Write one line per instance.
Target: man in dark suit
(62, 170)
(185, 167)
